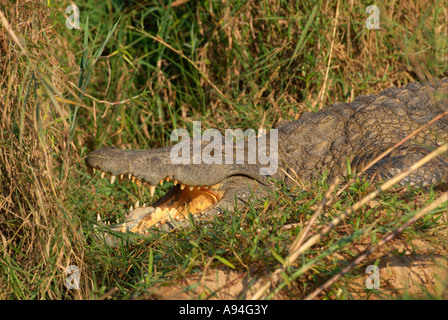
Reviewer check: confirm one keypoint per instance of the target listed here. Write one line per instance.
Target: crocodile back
(364, 128)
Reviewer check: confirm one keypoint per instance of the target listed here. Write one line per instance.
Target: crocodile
(329, 140)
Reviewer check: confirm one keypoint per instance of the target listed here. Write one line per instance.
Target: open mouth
(180, 201)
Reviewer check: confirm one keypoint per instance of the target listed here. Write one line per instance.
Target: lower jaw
(172, 209)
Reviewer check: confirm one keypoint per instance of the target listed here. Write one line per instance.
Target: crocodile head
(202, 190)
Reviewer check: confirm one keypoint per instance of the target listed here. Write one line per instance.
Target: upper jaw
(153, 166)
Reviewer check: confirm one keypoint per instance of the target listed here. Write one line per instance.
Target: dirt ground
(411, 271)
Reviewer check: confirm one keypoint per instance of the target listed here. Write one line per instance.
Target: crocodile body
(323, 141)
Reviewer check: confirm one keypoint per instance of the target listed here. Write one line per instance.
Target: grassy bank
(134, 72)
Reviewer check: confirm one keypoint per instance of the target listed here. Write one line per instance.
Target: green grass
(138, 70)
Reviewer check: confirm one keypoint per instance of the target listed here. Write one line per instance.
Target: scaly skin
(360, 130)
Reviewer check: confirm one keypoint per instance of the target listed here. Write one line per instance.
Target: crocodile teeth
(133, 179)
(123, 228)
(152, 189)
(161, 182)
(131, 209)
(112, 179)
(175, 182)
(137, 204)
(182, 187)
(103, 174)
(98, 218)
(191, 188)
(129, 176)
(121, 176)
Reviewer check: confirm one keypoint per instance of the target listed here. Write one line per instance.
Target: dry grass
(40, 238)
